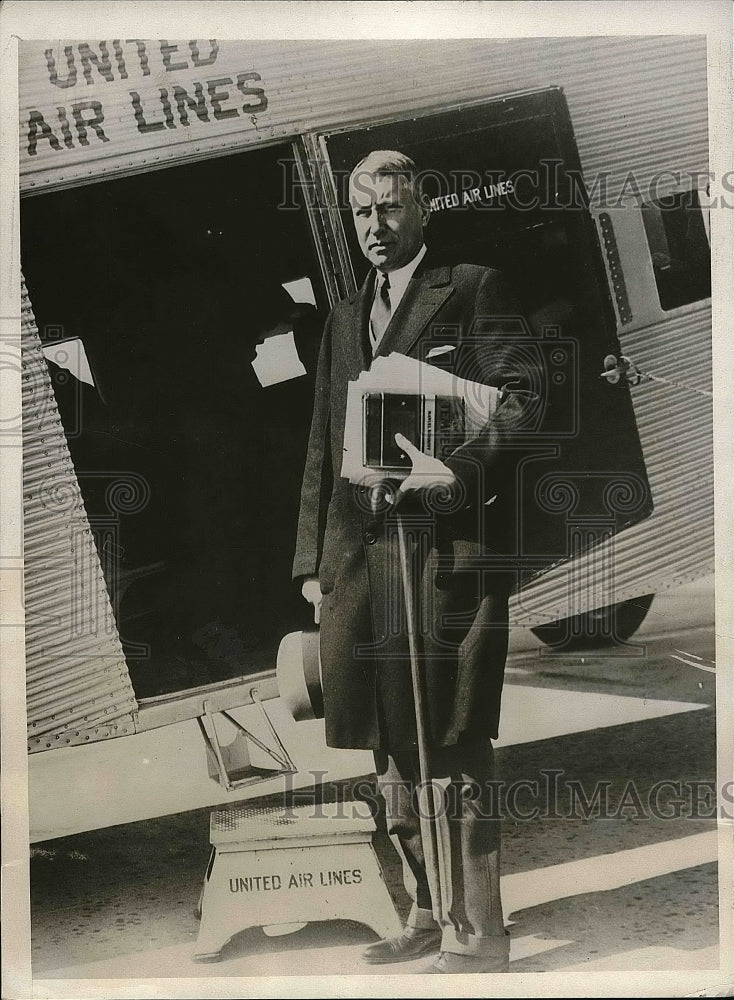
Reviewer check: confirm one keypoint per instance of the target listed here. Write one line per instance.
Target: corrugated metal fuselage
(639, 112)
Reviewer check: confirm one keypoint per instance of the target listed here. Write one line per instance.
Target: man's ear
(425, 215)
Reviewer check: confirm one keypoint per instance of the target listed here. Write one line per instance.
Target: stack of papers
(397, 373)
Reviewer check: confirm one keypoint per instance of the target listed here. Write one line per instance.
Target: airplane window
(679, 248)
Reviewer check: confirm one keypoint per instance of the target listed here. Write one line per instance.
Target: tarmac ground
(629, 890)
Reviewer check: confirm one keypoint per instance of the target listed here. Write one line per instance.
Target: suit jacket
(462, 550)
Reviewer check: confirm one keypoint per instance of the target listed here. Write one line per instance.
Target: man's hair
(386, 162)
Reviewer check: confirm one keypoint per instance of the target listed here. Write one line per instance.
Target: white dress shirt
(399, 279)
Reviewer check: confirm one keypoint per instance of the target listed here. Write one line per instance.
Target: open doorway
(504, 185)
(189, 459)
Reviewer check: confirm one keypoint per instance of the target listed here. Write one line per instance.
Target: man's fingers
(408, 447)
(412, 482)
(312, 593)
(415, 482)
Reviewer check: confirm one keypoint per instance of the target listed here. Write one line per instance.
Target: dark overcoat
(461, 547)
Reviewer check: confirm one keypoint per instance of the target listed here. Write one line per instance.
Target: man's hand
(311, 591)
(427, 472)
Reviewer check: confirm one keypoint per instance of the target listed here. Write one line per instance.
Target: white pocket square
(437, 351)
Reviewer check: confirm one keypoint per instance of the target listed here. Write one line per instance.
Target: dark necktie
(381, 311)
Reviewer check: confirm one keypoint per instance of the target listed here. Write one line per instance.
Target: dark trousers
(470, 829)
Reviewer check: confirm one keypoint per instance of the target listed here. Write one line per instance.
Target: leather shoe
(412, 943)
(451, 962)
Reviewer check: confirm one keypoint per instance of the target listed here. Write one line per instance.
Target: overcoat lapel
(426, 293)
(355, 341)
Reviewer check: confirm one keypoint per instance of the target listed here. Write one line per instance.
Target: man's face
(388, 220)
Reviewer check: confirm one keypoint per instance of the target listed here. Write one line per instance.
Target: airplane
(184, 230)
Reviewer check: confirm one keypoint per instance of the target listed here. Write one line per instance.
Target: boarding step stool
(291, 865)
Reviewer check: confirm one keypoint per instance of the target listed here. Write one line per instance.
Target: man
(462, 517)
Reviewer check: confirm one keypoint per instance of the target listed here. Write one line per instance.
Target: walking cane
(430, 801)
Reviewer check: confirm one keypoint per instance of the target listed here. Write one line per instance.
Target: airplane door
(505, 186)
